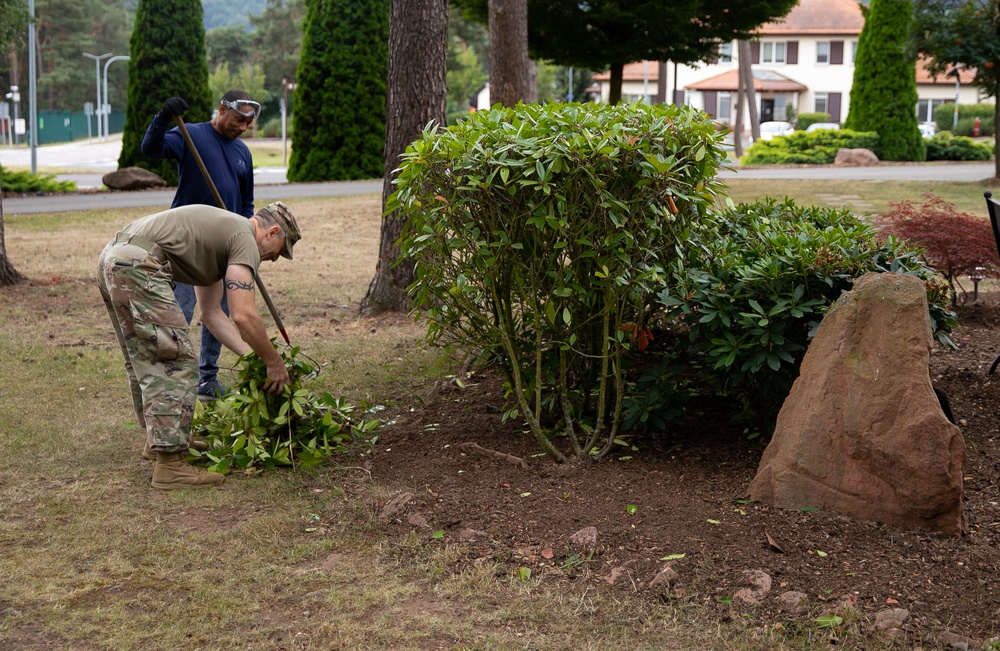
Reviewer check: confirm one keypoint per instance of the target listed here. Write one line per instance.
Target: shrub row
(567, 242)
(945, 146)
(804, 120)
(944, 117)
(816, 148)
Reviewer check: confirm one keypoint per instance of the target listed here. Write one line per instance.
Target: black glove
(173, 106)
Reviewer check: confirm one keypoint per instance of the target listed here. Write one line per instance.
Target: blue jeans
(208, 359)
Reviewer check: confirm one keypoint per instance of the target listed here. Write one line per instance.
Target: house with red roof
(804, 61)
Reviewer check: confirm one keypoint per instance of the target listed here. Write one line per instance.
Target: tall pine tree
(338, 126)
(167, 60)
(884, 92)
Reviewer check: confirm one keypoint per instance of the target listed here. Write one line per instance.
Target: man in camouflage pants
(205, 247)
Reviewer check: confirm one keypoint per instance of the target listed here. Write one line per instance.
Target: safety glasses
(247, 108)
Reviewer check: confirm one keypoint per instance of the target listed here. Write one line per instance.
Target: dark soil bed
(687, 488)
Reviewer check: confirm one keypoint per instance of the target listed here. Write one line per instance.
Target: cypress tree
(884, 92)
(168, 59)
(338, 125)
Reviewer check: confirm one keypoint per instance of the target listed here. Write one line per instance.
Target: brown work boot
(171, 473)
(194, 444)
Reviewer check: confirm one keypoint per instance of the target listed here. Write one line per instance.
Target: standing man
(208, 248)
(231, 167)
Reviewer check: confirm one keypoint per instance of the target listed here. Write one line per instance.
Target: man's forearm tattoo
(235, 284)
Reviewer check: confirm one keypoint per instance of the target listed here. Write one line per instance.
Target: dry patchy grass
(862, 197)
(92, 558)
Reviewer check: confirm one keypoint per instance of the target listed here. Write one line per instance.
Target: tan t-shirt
(200, 241)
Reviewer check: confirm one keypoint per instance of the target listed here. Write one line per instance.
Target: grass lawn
(92, 558)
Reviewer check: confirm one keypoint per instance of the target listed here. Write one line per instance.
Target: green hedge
(804, 120)
(944, 115)
(25, 182)
(945, 146)
(817, 148)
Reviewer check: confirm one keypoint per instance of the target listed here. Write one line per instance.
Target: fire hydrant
(975, 127)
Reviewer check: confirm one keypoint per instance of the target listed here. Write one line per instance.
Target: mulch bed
(686, 486)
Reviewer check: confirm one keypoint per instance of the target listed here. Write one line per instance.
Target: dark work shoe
(211, 390)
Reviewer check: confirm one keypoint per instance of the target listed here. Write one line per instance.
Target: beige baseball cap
(284, 218)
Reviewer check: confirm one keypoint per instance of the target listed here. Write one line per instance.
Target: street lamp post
(106, 107)
(958, 88)
(97, 72)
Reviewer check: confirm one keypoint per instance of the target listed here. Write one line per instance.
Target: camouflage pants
(153, 334)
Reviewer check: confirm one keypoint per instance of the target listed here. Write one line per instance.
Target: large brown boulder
(132, 178)
(862, 431)
(855, 157)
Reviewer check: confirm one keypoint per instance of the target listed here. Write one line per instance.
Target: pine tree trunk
(511, 71)
(416, 95)
(615, 90)
(8, 274)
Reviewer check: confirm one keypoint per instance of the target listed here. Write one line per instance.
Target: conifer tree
(168, 59)
(338, 126)
(884, 92)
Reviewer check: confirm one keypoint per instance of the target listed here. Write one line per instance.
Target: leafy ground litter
(681, 495)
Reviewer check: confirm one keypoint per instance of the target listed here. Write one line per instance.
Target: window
(725, 107)
(726, 52)
(780, 107)
(854, 51)
(823, 52)
(772, 52)
(925, 108)
(822, 103)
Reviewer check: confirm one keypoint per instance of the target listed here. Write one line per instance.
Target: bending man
(205, 247)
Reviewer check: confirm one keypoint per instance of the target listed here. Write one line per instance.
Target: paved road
(88, 161)
(162, 198)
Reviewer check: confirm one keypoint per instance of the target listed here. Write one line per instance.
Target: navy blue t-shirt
(228, 161)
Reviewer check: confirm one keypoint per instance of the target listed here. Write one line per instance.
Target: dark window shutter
(836, 53)
(792, 52)
(833, 106)
(755, 52)
(711, 101)
(679, 97)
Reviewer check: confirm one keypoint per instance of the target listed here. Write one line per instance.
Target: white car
(816, 126)
(769, 130)
(927, 129)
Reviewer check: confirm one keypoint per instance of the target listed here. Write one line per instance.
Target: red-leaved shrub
(955, 243)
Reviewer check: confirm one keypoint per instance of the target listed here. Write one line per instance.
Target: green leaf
(829, 621)
(438, 534)
(631, 509)
(673, 557)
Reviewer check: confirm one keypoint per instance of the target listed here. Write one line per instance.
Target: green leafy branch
(252, 428)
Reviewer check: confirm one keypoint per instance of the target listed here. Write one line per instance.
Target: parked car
(927, 129)
(816, 126)
(769, 130)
